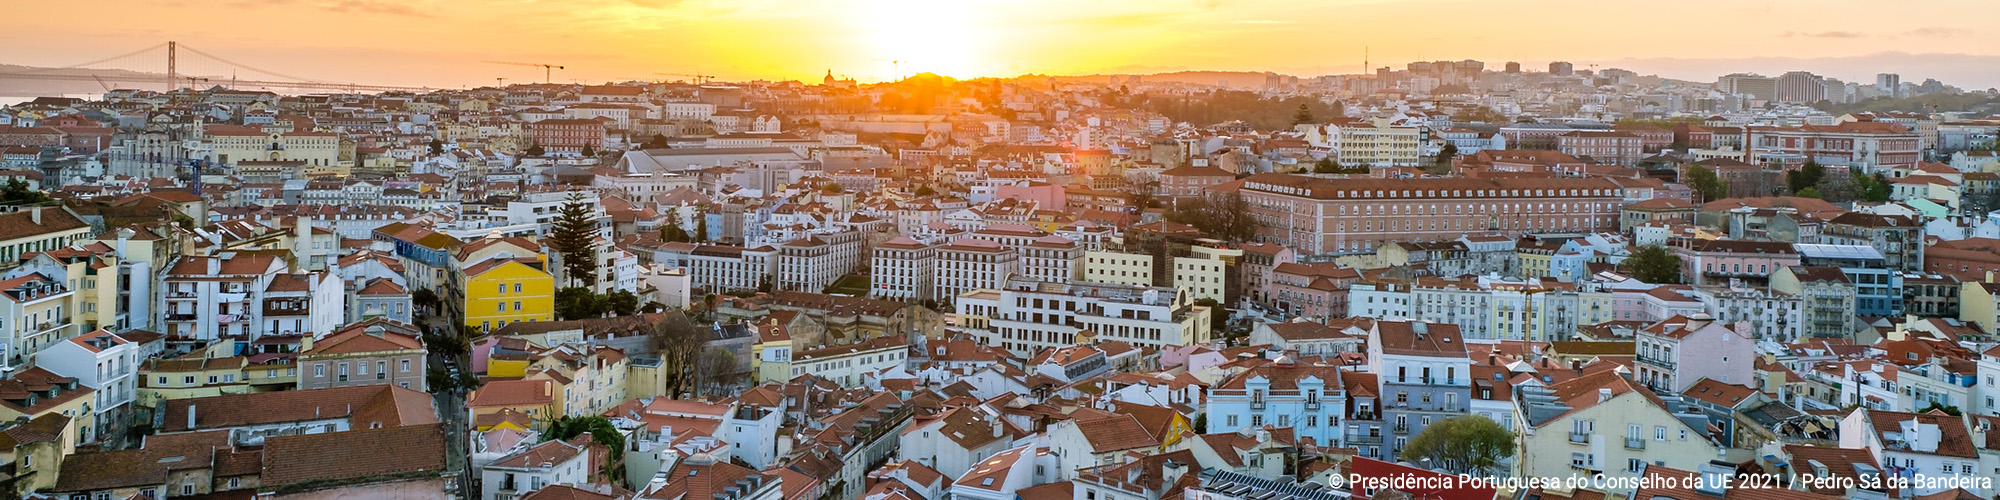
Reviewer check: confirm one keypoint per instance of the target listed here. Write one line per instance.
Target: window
(319, 369)
(1232, 421)
(1635, 465)
(501, 307)
(405, 365)
(503, 288)
(1660, 433)
(517, 288)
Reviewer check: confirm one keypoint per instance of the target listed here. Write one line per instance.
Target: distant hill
(1236, 79)
(26, 87)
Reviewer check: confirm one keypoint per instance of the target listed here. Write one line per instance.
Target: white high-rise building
(973, 264)
(904, 269)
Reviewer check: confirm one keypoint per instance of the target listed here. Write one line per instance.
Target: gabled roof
(355, 456)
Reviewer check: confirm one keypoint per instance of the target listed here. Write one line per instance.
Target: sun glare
(916, 36)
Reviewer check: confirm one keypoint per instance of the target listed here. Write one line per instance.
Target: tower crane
(548, 70)
(699, 79)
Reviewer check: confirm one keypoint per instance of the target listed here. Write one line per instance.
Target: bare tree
(678, 341)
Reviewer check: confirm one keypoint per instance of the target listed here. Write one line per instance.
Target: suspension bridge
(172, 65)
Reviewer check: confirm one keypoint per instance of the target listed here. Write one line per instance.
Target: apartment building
(972, 264)
(904, 269)
(1357, 215)
(722, 268)
(1027, 316)
(1604, 147)
(209, 297)
(1864, 146)
(1053, 259)
(1425, 376)
(814, 262)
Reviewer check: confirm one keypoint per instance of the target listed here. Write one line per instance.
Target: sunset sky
(441, 42)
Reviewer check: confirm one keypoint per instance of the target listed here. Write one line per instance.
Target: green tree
(600, 429)
(1471, 444)
(925, 190)
(673, 232)
(1936, 406)
(1654, 264)
(17, 192)
(1704, 182)
(700, 227)
(437, 146)
(1872, 188)
(535, 150)
(572, 235)
(1442, 165)
(1806, 176)
(573, 303)
(589, 151)
(1811, 192)
(656, 142)
(1304, 116)
(619, 302)
(1326, 166)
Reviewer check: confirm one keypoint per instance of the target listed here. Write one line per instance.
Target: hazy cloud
(1262, 21)
(375, 7)
(1827, 34)
(1937, 32)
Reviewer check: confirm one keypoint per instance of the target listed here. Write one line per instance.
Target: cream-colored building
(1371, 142)
(1116, 267)
(228, 144)
(1601, 423)
(1976, 303)
(1206, 273)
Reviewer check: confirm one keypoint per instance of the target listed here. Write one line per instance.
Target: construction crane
(700, 79)
(100, 83)
(548, 70)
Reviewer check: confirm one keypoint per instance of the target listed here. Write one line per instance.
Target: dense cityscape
(1434, 280)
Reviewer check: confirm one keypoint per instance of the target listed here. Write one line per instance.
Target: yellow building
(37, 393)
(1979, 302)
(36, 449)
(502, 291)
(38, 229)
(1115, 267)
(540, 399)
(37, 313)
(192, 376)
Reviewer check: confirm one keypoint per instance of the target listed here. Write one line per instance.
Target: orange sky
(441, 42)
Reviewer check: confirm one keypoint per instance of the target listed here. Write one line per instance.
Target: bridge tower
(173, 80)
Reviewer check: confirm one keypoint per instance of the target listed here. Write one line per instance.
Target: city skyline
(443, 42)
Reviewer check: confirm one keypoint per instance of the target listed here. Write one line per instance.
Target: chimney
(1603, 394)
(1493, 357)
(301, 242)
(35, 214)
(124, 234)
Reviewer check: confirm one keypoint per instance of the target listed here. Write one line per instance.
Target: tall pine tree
(571, 234)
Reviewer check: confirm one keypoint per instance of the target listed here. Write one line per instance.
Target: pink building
(1045, 194)
(1716, 262)
(1317, 290)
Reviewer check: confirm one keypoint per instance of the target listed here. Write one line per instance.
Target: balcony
(181, 317)
(1403, 428)
(1312, 405)
(1632, 443)
(1579, 438)
(1363, 440)
(1257, 404)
